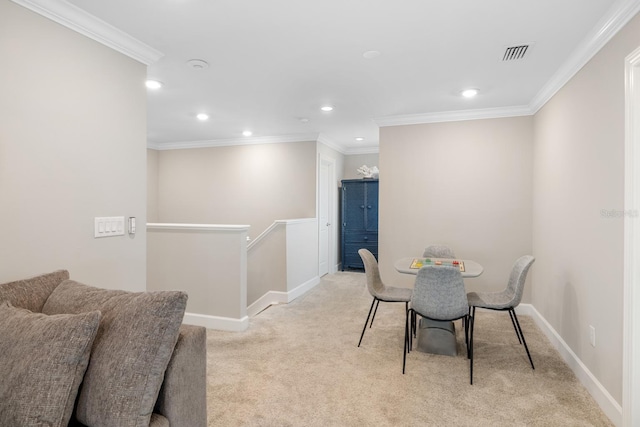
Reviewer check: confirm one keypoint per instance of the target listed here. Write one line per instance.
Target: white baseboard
(216, 322)
(270, 298)
(303, 288)
(277, 297)
(607, 403)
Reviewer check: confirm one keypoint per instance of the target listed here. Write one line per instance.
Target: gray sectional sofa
(77, 355)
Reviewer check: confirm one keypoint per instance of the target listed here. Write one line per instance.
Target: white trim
(294, 221)
(265, 301)
(262, 235)
(232, 142)
(275, 224)
(361, 150)
(80, 21)
(324, 139)
(217, 322)
(277, 297)
(631, 294)
(616, 18)
(196, 227)
(303, 288)
(154, 146)
(454, 116)
(607, 403)
(320, 138)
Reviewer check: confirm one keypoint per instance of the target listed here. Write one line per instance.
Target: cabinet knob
(369, 207)
(361, 206)
(366, 238)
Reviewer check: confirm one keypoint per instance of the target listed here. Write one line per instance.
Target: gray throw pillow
(33, 292)
(135, 341)
(42, 362)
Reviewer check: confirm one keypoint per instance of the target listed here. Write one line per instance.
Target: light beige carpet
(299, 365)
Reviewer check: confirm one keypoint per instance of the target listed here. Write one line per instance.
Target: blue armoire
(359, 223)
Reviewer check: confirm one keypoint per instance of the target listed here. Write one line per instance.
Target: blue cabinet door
(371, 203)
(353, 205)
(359, 223)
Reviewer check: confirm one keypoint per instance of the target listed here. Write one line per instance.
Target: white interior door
(325, 208)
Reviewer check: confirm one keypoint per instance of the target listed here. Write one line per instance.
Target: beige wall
(353, 161)
(72, 147)
(466, 185)
(267, 265)
(152, 186)
(579, 171)
(248, 184)
(208, 263)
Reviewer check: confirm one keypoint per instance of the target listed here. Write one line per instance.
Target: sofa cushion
(157, 420)
(134, 343)
(32, 293)
(42, 362)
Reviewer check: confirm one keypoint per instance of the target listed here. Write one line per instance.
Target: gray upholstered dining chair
(439, 294)
(438, 251)
(378, 290)
(508, 299)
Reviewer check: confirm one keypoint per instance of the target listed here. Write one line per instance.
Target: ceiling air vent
(515, 52)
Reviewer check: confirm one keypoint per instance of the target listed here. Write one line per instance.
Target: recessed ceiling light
(247, 133)
(197, 64)
(202, 116)
(370, 54)
(359, 138)
(327, 108)
(153, 84)
(469, 93)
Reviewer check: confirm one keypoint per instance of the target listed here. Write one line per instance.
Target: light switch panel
(107, 226)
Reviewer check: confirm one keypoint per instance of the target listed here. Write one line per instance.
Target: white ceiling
(273, 62)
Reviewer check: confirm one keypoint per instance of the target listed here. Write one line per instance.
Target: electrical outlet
(592, 335)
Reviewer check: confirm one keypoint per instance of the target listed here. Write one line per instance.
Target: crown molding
(233, 141)
(362, 150)
(320, 138)
(154, 146)
(347, 151)
(324, 139)
(77, 19)
(454, 116)
(617, 17)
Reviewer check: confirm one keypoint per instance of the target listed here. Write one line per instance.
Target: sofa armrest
(183, 396)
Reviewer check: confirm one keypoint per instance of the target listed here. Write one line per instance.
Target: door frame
(631, 295)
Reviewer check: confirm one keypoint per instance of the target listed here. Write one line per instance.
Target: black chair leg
(366, 321)
(407, 338)
(471, 321)
(513, 322)
(465, 325)
(414, 324)
(522, 335)
(413, 334)
(410, 319)
(374, 312)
